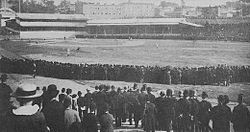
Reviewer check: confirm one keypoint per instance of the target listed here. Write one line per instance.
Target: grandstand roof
(191, 24)
(7, 13)
(52, 24)
(220, 21)
(140, 21)
(51, 16)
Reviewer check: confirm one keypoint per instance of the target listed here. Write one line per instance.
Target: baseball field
(140, 52)
(134, 52)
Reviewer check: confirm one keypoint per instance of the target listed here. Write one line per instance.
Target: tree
(245, 7)
(64, 7)
(167, 4)
(157, 12)
(15, 5)
(163, 4)
(245, 1)
(49, 6)
(32, 6)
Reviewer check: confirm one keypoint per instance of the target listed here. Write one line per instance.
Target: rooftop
(140, 21)
(145, 21)
(52, 16)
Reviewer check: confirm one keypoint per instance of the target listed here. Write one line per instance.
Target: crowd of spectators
(207, 75)
(221, 31)
(109, 107)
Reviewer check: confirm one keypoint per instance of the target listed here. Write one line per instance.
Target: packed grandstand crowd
(207, 75)
(223, 31)
(108, 107)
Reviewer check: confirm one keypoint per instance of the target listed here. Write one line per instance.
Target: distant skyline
(157, 2)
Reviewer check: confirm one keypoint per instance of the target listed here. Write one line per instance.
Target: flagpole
(19, 3)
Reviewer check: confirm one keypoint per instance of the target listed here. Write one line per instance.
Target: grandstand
(46, 26)
(139, 28)
(9, 24)
(41, 26)
(38, 25)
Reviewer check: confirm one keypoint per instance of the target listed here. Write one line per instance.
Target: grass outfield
(136, 52)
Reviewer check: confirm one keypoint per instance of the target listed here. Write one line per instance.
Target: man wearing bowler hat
(54, 110)
(27, 117)
(240, 116)
(204, 111)
(219, 115)
(149, 95)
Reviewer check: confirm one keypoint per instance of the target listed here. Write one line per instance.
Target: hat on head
(52, 90)
(27, 91)
(204, 95)
(119, 89)
(169, 92)
(4, 76)
(185, 93)
(240, 98)
(191, 93)
(149, 89)
(79, 93)
(220, 98)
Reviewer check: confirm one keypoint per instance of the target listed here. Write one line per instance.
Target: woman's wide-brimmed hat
(27, 91)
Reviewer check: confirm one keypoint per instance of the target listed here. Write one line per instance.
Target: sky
(156, 2)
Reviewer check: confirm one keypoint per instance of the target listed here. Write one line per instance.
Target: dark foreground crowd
(47, 109)
(208, 75)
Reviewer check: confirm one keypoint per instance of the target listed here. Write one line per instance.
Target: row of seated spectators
(207, 75)
(225, 32)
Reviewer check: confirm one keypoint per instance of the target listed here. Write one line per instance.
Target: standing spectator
(5, 92)
(169, 78)
(80, 103)
(111, 97)
(219, 116)
(101, 99)
(149, 116)
(204, 111)
(62, 95)
(241, 116)
(27, 117)
(142, 101)
(54, 110)
(149, 95)
(228, 109)
(71, 117)
(68, 92)
(169, 110)
(194, 110)
(119, 107)
(74, 102)
(159, 102)
(88, 99)
(90, 120)
(34, 70)
(106, 120)
(183, 112)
